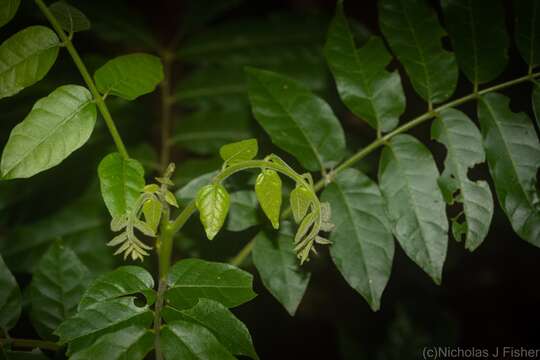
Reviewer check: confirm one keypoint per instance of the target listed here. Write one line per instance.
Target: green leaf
(122, 181)
(277, 264)
(187, 340)
(25, 58)
(190, 190)
(297, 121)
(478, 32)
(408, 181)
(464, 150)
(56, 126)
(131, 343)
(414, 34)
(513, 154)
(129, 76)
(69, 17)
(192, 279)
(56, 288)
(239, 151)
(10, 298)
(536, 103)
(363, 246)
(152, 209)
(528, 30)
(220, 321)
(369, 91)
(243, 212)
(301, 199)
(8, 9)
(123, 281)
(35, 354)
(84, 328)
(268, 191)
(204, 132)
(213, 205)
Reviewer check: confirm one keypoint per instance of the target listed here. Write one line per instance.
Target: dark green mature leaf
(204, 132)
(478, 32)
(8, 9)
(187, 340)
(70, 18)
(297, 121)
(513, 154)
(414, 34)
(122, 181)
(268, 191)
(408, 180)
(192, 279)
(277, 263)
(88, 325)
(190, 190)
(213, 204)
(239, 151)
(536, 103)
(123, 281)
(221, 322)
(528, 30)
(131, 343)
(10, 298)
(362, 243)
(58, 125)
(464, 150)
(56, 288)
(369, 91)
(25, 58)
(243, 212)
(129, 76)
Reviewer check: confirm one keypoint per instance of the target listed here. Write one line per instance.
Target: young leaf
(536, 103)
(192, 279)
(369, 91)
(278, 266)
(152, 213)
(125, 280)
(129, 76)
(528, 30)
(170, 198)
(408, 181)
(122, 181)
(56, 288)
(268, 191)
(131, 343)
(414, 34)
(464, 150)
(297, 121)
(301, 199)
(10, 298)
(363, 245)
(8, 9)
(220, 321)
(69, 17)
(239, 151)
(478, 32)
(25, 58)
(213, 205)
(57, 125)
(84, 328)
(188, 340)
(243, 212)
(189, 191)
(513, 154)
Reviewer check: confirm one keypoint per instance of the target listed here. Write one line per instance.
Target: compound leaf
(8, 9)
(528, 30)
(56, 126)
(239, 151)
(513, 154)
(408, 181)
(362, 242)
(10, 298)
(268, 191)
(70, 18)
(463, 142)
(414, 34)
(213, 204)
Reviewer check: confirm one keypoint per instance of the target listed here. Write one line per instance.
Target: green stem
(30, 343)
(403, 128)
(86, 76)
(241, 256)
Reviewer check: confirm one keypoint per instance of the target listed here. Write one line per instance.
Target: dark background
(488, 298)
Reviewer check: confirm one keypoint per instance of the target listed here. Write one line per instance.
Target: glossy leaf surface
(8, 9)
(213, 204)
(268, 191)
(239, 151)
(70, 18)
